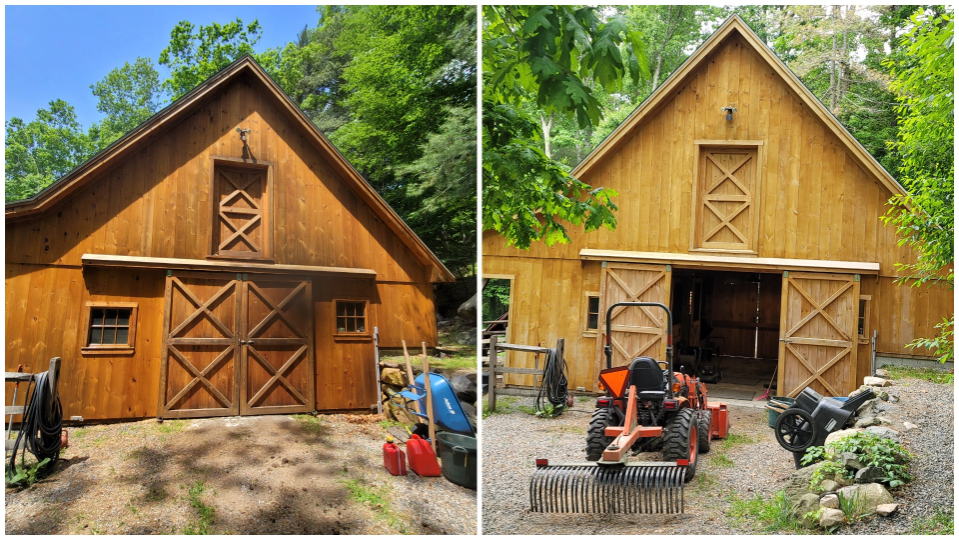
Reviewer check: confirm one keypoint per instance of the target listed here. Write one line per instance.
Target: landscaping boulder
(798, 483)
(875, 381)
(806, 504)
(882, 373)
(467, 309)
(868, 475)
(883, 395)
(466, 338)
(836, 436)
(861, 389)
(868, 408)
(401, 415)
(831, 517)
(829, 501)
(829, 485)
(867, 421)
(393, 376)
(884, 433)
(851, 461)
(465, 387)
(886, 510)
(870, 496)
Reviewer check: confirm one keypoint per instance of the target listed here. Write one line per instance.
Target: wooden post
(429, 398)
(409, 375)
(53, 375)
(492, 374)
(560, 347)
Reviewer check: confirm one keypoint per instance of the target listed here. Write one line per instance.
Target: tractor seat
(646, 375)
(651, 395)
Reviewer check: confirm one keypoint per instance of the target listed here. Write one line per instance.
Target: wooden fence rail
(495, 347)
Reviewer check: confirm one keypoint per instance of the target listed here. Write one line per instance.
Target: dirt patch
(242, 475)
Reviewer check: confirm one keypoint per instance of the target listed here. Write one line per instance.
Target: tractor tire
(681, 440)
(596, 439)
(705, 432)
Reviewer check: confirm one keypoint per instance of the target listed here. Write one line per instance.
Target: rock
(909, 426)
(831, 517)
(893, 399)
(867, 421)
(883, 420)
(393, 376)
(798, 483)
(470, 412)
(886, 510)
(806, 504)
(867, 408)
(466, 338)
(829, 485)
(390, 365)
(882, 373)
(465, 387)
(401, 415)
(829, 501)
(875, 381)
(870, 496)
(884, 433)
(869, 475)
(836, 436)
(883, 395)
(467, 309)
(851, 461)
(860, 390)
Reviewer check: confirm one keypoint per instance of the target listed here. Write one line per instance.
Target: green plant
(388, 423)
(377, 499)
(312, 425)
(722, 460)
(773, 514)
(849, 505)
(206, 515)
(827, 470)
(874, 451)
(923, 373)
(26, 476)
(942, 522)
(735, 439)
(171, 426)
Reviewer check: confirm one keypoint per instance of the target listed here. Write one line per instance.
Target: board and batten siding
(155, 202)
(815, 201)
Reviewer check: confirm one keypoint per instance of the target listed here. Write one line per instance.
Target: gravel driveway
(259, 475)
(748, 464)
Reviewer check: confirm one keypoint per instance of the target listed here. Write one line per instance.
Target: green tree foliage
(127, 96)
(547, 57)
(924, 218)
(43, 150)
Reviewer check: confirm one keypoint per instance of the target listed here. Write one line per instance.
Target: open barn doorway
(726, 329)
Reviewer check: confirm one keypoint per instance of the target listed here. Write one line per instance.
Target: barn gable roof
(150, 130)
(661, 95)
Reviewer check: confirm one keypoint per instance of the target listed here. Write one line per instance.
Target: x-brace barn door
(726, 199)
(635, 331)
(236, 345)
(817, 342)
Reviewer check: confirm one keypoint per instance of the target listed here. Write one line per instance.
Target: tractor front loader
(646, 404)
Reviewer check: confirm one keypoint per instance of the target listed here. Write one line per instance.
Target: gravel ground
(748, 464)
(931, 407)
(261, 475)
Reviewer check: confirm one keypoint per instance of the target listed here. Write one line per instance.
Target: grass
(923, 373)
(312, 425)
(389, 423)
(454, 363)
(722, 460)
(156, 494)
(770, 515)
(133, 509)
(705, 482)
(171, 426)
(377, 499)
(942, 522)
(206, 515)
(733, 440)
(504, 405)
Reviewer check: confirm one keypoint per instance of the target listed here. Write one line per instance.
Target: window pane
(123, 318)
(593, 322)
(360, 308)
(341, 324)
(96, 336)
(351, 309)
(109, 336)
(340, 309)
(111, 319)
(360, 326)
(96, 317)
(351, 325)
(123, 336)
(594, 304)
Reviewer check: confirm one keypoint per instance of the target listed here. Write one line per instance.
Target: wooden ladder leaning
(495, 347)
(17, 410)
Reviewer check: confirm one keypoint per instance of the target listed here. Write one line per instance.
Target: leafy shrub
(870, 449)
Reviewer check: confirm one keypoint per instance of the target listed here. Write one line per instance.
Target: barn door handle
(247, 342)
(780, 339)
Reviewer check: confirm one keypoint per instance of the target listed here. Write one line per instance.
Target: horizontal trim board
(682, 260)
(128, 261)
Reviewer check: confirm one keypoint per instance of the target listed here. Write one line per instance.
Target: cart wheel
(795, 430)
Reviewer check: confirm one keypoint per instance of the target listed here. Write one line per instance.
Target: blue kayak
(447, 410)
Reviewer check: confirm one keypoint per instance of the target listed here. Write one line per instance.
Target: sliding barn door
(236, 345)
(198, 374)
(635, 331)
(817, 344)
(277, 347)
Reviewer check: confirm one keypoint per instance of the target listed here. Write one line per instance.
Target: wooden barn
(747, 208)
(223, 258)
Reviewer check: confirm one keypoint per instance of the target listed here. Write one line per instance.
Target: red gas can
(422, 458)
(394, 459)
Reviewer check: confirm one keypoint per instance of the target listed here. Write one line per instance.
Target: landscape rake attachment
(645, 403)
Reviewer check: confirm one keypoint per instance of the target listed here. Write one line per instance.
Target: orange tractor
(646, 404)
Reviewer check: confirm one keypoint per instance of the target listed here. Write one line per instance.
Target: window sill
(106, 350)
(591, 334)
(352, 337)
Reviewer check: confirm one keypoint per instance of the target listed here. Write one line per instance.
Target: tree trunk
(659, 65)
(547, 126)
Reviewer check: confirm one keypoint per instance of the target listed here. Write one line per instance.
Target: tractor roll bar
(608, 348)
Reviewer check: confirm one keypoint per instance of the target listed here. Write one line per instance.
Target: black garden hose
(553, 386)
(40, 425)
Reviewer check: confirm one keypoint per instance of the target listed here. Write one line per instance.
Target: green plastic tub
(774, 415)
(458, 454)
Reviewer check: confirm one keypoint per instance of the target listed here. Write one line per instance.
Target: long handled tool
(16, 387)
(429, 398)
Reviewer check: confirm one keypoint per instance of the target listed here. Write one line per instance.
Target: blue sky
(59, 51)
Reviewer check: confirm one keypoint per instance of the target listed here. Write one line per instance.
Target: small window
(351, 317)
(111, 327)
(592, 314)
(863, 318)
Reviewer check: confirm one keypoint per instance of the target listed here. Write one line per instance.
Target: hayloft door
(198, 373)
(277, 346)
(817, 342)
(634, 331)
(236, 345)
